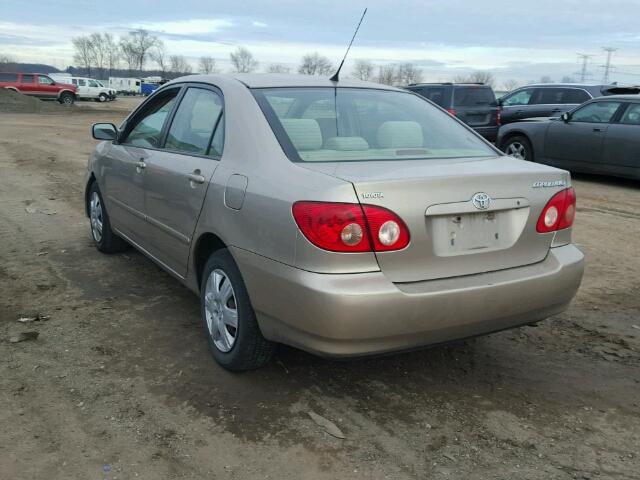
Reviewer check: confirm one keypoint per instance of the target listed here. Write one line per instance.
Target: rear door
(475, 105)
(622, 143)
(515, 106)
(580, 140)
(177, 177)
(28, 85)
(125, 165)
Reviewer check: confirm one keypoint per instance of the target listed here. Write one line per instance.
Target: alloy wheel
(95, 216)
(517, 150)
(221, 310)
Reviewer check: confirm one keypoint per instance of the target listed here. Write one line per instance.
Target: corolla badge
(481, 201)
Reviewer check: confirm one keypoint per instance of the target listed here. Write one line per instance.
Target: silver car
(343, 218)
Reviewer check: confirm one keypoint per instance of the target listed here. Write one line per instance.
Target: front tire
(102, 98)
(104, 238)
(233, 334)
(519, 147)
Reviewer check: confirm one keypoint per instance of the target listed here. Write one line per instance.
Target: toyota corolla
(343, 218)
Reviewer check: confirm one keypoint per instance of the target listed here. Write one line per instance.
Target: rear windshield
(473, 96)
(351, 124)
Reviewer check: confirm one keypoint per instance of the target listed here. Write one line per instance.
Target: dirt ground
(120, 385)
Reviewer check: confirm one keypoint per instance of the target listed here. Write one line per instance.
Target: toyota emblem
(481, 201)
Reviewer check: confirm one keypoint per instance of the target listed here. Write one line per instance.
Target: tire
(66, 98)
(520, 147)
(102, 98)
(104, 238)
(240, 347)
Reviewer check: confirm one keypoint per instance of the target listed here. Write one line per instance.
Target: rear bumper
(490, 133)
(357, 314)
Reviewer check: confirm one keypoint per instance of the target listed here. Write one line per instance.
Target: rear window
(441, 96)
(473, 96)
(352, 124)
(8, 77)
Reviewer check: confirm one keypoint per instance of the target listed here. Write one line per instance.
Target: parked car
(88, 88)
(40, 86)
(553, 99)
(344, 220)
(473, 103)
(126, 85)
(601, 136)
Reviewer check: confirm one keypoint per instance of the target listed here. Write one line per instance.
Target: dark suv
(473, 103)
(553, 99)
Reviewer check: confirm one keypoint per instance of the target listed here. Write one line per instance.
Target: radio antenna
(336, 75)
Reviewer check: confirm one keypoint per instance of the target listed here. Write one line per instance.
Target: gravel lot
(119, 384)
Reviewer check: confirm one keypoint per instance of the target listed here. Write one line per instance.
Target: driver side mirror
(104, 131)
(566, 116)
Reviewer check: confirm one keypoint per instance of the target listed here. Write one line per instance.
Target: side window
(547, 96)
(44, 80)
(575, 95)
(82, 82)
(8, 77)
(93, 83)
(596, 112)
(147, 125)
(520, 97)
(632, 115)
(27, 78)
(74, 81)
(438, 95)
(192, 127)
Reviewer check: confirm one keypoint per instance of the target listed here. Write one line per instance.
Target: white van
(88, 88)
(126, 85)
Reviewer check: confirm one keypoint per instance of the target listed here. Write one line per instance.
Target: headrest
(400, 134)
(304, 133)
(346, 144)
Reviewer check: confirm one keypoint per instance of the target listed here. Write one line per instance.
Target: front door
(177, 177)
(515, 106)
(125, 165)
(622, 143)
(579, 141)
(47, 87)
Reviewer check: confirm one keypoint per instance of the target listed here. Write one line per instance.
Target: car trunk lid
(451, 234)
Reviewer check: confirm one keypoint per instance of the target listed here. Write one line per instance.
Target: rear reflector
(452, 111)
(350, 227)
(558, 213)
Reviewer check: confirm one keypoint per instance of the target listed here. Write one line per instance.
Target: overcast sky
(520, 40)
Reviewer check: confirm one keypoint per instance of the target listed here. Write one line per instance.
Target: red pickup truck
(40, 86)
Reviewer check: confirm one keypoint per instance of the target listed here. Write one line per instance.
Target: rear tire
(233, 334)
(519, 147)
(66, 98)
(103, 236)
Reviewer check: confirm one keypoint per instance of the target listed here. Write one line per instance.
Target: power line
(607, 66)
(585, 61)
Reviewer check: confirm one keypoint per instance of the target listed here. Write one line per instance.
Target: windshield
(351, 124)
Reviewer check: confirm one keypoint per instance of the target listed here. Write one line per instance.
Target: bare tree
(278, 68)
(113, 52)
(83, 52)
(138, 45)
(568, 79)
(98, 43)
(478, 76)
(546, 79)
(243, 61)
(363, 70)
(6, 59)
(207, 65)
(407, 73)
(386, 74)
(510, 85)
(315, 64)
(159, 55)
(129, 54)
(178, 65)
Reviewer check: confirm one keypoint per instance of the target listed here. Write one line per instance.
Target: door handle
(596, 129)
(195, 178)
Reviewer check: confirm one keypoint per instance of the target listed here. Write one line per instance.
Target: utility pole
(607, 66)
(585, 61)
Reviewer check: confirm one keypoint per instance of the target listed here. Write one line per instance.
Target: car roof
(631, 97)
(452, 84)
(277, 80)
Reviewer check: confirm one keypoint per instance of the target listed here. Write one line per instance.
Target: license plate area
(475, 232)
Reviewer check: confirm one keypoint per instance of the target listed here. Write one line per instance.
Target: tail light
(559, 212)
(350, 227)
(452, 111)
(499, 116)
